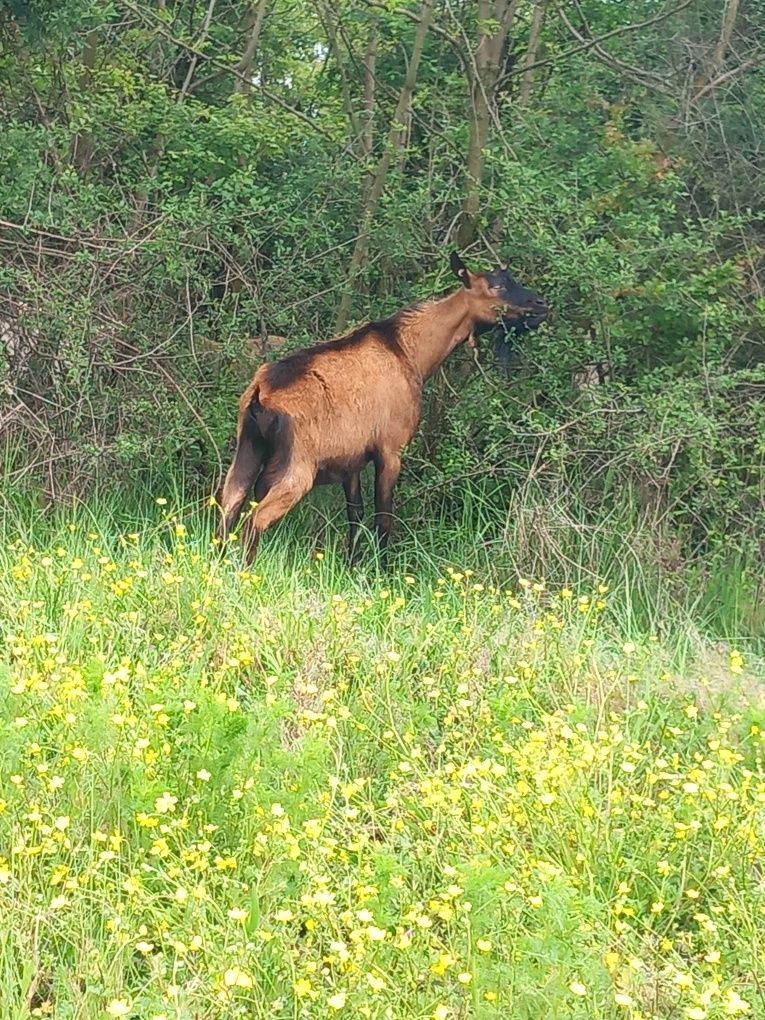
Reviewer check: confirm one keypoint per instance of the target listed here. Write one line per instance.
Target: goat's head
(497, 296)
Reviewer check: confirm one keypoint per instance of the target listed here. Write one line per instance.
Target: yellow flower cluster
(234, 794)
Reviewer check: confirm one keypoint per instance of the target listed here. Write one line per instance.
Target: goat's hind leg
(285, 492)
(240, 478)
(262, 487)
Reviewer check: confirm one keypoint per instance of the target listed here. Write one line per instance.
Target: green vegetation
(518, 774)
(298, 791)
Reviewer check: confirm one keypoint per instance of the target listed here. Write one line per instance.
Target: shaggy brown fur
(321, 414)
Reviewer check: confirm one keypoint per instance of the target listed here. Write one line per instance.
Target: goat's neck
(435, 330)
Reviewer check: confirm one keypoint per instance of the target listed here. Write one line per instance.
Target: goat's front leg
(387, 470)
(355, 507)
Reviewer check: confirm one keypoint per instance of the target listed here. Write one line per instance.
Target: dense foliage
(185, 184)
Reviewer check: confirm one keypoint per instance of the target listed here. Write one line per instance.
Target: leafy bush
(157, 235)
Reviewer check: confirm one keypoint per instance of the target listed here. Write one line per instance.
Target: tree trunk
(485, 73)
(726, 33)
(142, 193)
(82, 150)
(381, 173)
(256, 14)
(326, 16)
(531, 51)
(368, 120)
(402, 140)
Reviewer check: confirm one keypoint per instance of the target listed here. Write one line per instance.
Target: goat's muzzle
(535, 313)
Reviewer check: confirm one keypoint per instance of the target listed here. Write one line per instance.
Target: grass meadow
(446, 790)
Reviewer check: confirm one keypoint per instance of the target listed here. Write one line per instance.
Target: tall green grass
(719, 597)
(451, 788)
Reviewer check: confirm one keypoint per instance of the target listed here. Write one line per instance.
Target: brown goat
(321, 414)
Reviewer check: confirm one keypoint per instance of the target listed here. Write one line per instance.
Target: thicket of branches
(186, 186)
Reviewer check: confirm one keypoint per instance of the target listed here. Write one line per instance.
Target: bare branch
(195, 59)
(643, 75)
(734, 72)
(589, 44)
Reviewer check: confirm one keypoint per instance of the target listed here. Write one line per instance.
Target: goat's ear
(459, 269)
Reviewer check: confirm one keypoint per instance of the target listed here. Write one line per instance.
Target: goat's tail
(268, 428)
